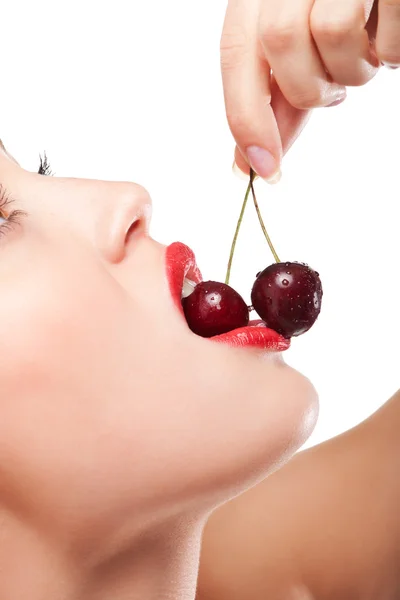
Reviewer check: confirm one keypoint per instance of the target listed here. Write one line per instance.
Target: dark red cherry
(214, 308)
(288, 296)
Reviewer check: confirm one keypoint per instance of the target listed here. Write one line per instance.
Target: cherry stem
(235, 237)
(252, 176)
(250, 188)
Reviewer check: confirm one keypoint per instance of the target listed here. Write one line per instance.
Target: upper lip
(181, 263)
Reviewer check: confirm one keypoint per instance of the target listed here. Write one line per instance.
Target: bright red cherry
(214, 308)
(288, 296)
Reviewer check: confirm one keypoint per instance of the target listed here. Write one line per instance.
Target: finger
(289, 48)
(338, 28)
(388, 34)
(240, 166)
(246, 82)
(291, 121)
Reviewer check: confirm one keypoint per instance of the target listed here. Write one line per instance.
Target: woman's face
(109, 403)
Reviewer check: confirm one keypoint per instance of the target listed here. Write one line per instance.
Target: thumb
(290, 122)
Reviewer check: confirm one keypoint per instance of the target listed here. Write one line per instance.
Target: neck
(162, 563)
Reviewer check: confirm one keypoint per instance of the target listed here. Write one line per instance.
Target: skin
(326, 526)
(314, 48)
(118, 435)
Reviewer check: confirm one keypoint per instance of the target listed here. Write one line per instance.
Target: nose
(106, 212)
(126, 210)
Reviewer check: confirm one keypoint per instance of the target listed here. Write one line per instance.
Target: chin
(260, 412)
(285, 415)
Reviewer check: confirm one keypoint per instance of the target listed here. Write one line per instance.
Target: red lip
(181, 263)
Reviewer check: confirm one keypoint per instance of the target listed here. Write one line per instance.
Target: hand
(314, 48)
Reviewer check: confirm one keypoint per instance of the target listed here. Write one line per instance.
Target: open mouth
(183, 275)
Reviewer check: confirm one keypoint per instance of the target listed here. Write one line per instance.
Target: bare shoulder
(314, 529)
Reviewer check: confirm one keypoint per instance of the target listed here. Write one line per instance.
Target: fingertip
(241, 170)
(264, 163)
(245, 176)
(238, 172)
(241, 161)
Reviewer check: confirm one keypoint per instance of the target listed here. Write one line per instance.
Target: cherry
(214, 308)
(288, 296)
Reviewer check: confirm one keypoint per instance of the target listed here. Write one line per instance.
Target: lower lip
(181, 263)
(255, 335)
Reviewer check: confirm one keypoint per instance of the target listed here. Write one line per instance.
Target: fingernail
(341, 97)
(238, 172)
(390, 66)
(264, 164)
(275, 178)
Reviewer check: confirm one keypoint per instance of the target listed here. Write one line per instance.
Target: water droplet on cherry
(285, 306)
(214, 308)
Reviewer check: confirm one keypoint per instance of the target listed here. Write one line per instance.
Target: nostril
(124, 220)
(139, 226)
(136, 229)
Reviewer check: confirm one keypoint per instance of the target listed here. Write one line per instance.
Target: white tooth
(188, 287)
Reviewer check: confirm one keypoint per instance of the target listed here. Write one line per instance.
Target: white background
(131, 90)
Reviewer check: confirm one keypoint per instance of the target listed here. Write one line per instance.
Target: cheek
(74, 337)
(60, 364)
(80, 370)
(49, 322)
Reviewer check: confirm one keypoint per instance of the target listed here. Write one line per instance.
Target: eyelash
(44, 168)
(14, 218)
